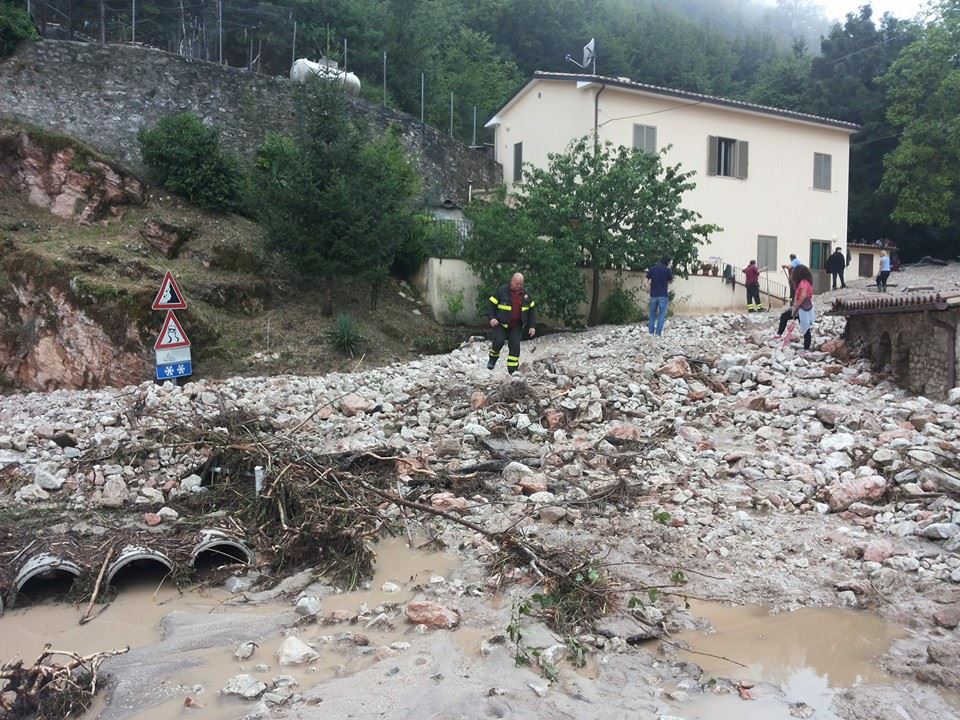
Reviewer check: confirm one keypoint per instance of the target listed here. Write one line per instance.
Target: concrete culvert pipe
(216, 548)
(44, 575)
(141, 557)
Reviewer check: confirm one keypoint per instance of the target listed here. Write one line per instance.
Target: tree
(334, 201)
(15, 27)
(601, 206)
(923, 87)
(504, 241)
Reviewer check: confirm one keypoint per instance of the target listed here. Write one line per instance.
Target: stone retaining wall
(104, 94)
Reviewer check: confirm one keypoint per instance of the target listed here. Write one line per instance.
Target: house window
(517, 162)
(819, 252)
(767, 252)
(821, 171)
(645, 138)
(727, 157)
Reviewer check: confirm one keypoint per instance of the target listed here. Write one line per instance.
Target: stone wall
(916, 349)
(104, 94)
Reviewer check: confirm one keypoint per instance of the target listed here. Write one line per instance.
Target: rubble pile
(767, 474)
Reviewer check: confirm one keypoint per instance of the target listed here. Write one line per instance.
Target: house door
(819, 252)
(865, 269)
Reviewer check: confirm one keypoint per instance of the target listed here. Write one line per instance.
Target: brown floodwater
(810, 653)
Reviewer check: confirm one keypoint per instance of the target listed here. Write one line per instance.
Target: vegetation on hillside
(15, 27)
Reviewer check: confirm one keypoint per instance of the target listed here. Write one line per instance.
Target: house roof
(585, 80)
(910, 302)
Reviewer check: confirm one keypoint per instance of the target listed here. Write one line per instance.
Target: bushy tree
(601, 206)
(184, 156)
(15, 27)
(333, 200)
(923, 86)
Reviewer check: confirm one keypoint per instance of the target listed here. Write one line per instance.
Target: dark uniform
(510, 326)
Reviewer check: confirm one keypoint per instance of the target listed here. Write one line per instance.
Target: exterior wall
(696, 295)
(104, 94)
(776, 199)
(915, 348)
(858, 251)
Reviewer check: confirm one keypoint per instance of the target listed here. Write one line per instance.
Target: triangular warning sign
(172, 335)
(169, 297)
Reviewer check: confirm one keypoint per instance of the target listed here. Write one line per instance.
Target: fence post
(422, 80)
(293, 53)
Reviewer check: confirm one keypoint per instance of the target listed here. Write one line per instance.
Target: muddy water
(195, 692)
(810, 654)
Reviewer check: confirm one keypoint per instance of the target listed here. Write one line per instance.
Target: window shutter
(713, 149)
(518, 162)
(742, 160)
(650, 140)
(825, 177)
(638, 137)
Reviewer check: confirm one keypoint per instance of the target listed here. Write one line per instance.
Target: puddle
(810, 654)
(194, 691)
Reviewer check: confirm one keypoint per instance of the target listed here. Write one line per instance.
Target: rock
(352, 405)
(152, 519)
(307, 606)
(114, 492)
(553, 419)
(476, 430)
(837, 348)
(947, 617)
(514, 472)
(164, 237)
(44, 476)
(478, 399)
(690, 434)
(831, 414)
(837, 442)
(543, 497)
(552, 514)
(877, 551)
(883, 457)
(168, 513)
(390, 587)
(431, 614)
(953, 396)
(294, 651)
(246, 686)
(32, 493)
(939, 531)
(532, 485)
(675, 367)
(191, 483)
(624, 432)
(862, 489)
(152, 494)
(245, 650)
(448, 502)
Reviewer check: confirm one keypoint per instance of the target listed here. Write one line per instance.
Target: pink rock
(625, 431)
(352, 404)
(837, 348)
(690, 434)
(675, 367)
(554, 419)
(431, 614)
(877, 551)
(861, 489)
(948, 617)
(448, 502)
(152, 519)
(532, 484)
(478, 399)
(755, 402)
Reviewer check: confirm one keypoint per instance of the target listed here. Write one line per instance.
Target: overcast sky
(837, 9)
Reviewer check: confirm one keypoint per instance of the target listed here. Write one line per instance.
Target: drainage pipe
(133, 553)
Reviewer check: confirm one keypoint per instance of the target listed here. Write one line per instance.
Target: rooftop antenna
(589, 57)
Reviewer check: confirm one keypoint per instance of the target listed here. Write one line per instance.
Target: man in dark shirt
(512, 316)
(659, 277)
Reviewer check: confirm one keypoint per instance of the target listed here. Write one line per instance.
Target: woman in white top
(884, 272)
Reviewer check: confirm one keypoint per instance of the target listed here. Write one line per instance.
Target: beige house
(774, 180)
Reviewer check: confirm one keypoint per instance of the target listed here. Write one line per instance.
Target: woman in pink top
(802, 308)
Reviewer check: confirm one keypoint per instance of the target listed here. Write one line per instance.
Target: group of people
(511, 312)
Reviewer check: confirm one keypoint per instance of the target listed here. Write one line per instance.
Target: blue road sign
(174, 370)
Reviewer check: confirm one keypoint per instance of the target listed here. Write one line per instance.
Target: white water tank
(326, 69)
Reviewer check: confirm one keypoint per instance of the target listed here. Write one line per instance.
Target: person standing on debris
(835, 265)
(659, 278)
(511, 314)
(788, 269)
(752, 275)
(802, 305)
(884, 272)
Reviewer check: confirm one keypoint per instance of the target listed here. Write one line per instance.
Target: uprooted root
(49, 690)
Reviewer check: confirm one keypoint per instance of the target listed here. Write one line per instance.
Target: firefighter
(511, 316)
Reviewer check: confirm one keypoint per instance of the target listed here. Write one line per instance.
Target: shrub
(345, 335)
(183, 155)
(620, 307)
(15, 27)
(455, 304)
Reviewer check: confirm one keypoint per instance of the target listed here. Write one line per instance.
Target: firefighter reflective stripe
(494, 354)
(505, 325)
(493, 300)
(524, 308)
(513, 361)
(505, 307)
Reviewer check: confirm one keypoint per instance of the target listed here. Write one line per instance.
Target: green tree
(923, 86)
(504, 241)
(15, 27)
(621, 207)
(333, 200)
(184, 156)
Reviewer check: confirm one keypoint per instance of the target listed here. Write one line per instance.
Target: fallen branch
(96, 588)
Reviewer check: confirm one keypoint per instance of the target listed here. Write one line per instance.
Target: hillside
(77, 293)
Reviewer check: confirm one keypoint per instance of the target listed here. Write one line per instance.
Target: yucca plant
(345, 335)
